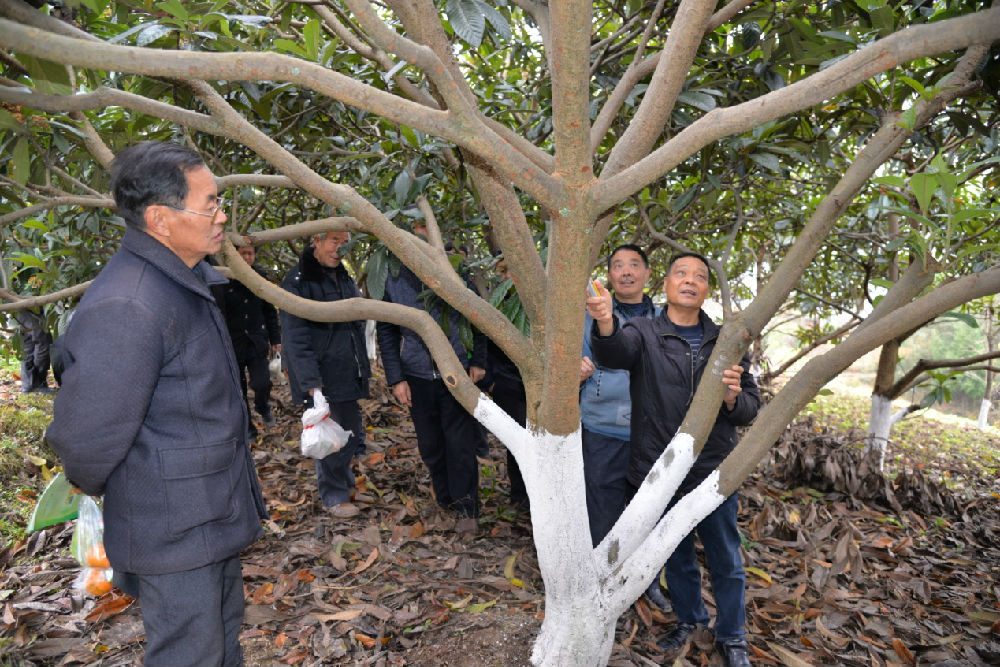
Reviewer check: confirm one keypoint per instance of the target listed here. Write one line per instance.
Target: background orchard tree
(553, 129)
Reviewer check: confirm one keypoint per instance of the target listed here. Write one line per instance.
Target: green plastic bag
(59, 502)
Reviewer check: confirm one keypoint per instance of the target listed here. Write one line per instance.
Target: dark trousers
(191, 618)
(509, 397)
(334, 477)
(446, 437)
(251, 361)
(605, 466)
(35, 342)
(720, 536)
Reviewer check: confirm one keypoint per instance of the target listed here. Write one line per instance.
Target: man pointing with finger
(666, 357)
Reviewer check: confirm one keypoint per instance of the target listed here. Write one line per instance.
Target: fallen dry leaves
(844, 567)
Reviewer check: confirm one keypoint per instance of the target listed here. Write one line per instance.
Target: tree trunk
(984, 414)
(879, 425)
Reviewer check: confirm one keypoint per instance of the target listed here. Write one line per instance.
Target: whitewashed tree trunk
(984, 414)
(879, 425)
(587, 588)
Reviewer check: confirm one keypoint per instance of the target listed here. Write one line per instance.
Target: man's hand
(600, 308)
(731, 378)
(312, 392)
(476, 373)
(401, 391)
(587, 368)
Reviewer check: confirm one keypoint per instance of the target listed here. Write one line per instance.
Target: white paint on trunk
(880, 423)
(984, 414)
(647, 506)
(579, 627)
(627, 584)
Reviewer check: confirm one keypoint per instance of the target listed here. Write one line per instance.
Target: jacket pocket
(198, 482)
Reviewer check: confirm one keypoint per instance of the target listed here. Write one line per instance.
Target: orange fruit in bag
(97, 582)
(96, 556)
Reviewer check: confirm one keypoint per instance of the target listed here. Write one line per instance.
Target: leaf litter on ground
(845, 566)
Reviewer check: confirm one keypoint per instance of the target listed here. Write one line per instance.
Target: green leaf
(35, 224)
(291, 47)
(769, 161)
(21, 161)
(310, 33)
(49, 78)
(965, 318)
(500, 292)
(497, 20)
(907, 119)
(923, 186)
(377, 271)
(175, 8)
(697, 99)
(467, 20)
(27, 260)
(401, 187)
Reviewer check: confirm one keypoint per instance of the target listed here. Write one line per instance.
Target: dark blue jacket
(151, 414)
(663, 381)
(331, 355)
(403, 352)
(252, 322)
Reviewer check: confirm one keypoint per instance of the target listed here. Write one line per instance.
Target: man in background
(328, 357)
(253, 327)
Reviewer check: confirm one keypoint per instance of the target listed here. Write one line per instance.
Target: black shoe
(677, 637)
(656, 597)
(734, 652)
(267, 417)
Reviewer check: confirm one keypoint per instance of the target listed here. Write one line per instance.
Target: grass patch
(23, 453)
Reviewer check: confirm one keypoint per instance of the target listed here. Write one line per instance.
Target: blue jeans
(605, 466)
(720, 538)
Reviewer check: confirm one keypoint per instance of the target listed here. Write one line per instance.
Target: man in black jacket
(253, 326)
(447, 435)
(151, 415)
(329, 357)
(666, 357)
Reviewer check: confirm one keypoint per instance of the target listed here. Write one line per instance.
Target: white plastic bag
(274, 367)
(88, 549)
(321, 436)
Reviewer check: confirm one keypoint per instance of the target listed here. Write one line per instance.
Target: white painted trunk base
(879, 425)
(587, 588)
(984, 415)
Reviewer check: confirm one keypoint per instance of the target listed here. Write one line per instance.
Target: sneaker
(734, 652)
(654, 595)
(677, 637)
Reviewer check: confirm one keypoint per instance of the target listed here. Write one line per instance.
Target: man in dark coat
(35, 343)
(329, 357)
(666, 357)
(447, 435)
(253, 326)
(151, 414)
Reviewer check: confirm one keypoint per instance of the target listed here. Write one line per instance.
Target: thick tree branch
(909, 378)
(668, 79)
(44, 299)
(568, 58)
(476, 136)
(908, 44)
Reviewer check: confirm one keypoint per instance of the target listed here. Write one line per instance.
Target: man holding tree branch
(666, 357)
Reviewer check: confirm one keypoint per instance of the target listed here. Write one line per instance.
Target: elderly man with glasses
(151, 414)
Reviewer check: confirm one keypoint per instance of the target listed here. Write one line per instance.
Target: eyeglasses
(211, 213)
